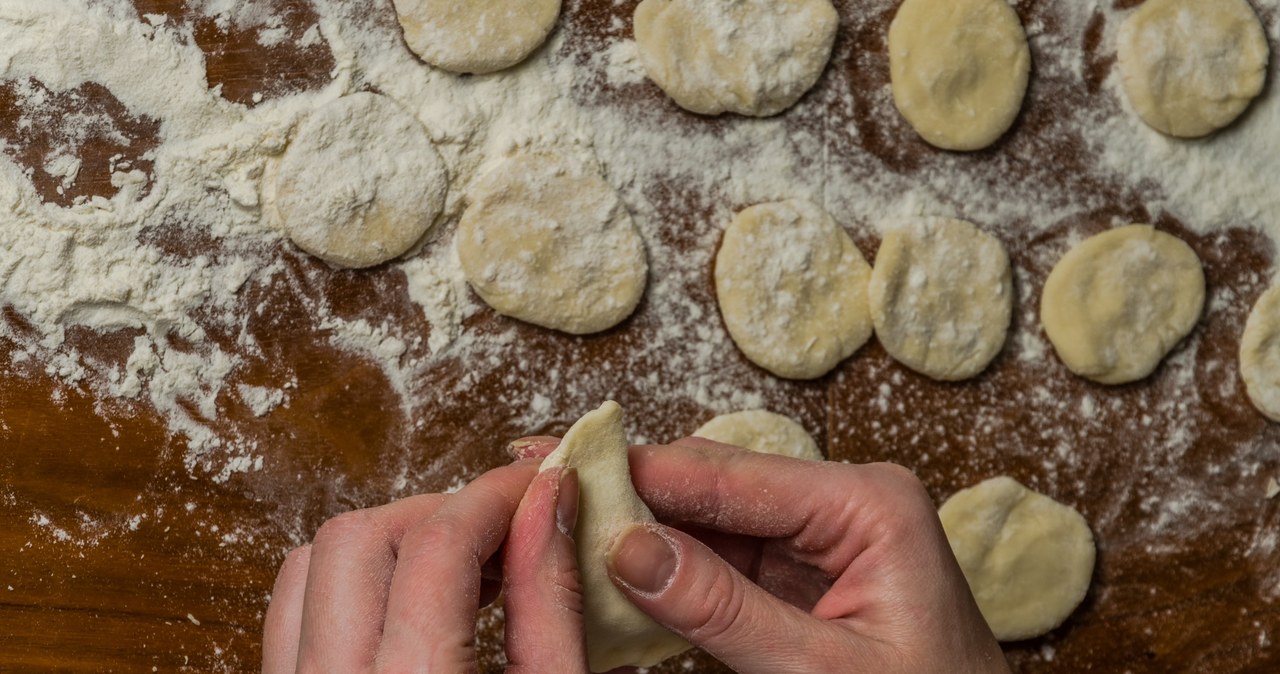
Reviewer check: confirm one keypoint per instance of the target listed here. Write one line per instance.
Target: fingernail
(567, 502)
(525, 448)
(644, 559)
(515, 447)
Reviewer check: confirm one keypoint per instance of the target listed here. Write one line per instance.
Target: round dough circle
(792, 288)
(476, 36)
(1120, 301)
(958, 69)
(546, 240)
(360, 218)
(1028, 559)
(942, 297)
(1190, 67)
(1260, 354)
(752, 57)
(762, 431)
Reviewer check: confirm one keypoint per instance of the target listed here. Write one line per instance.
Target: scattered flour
(104, 262)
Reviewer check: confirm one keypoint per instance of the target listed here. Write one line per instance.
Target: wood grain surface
(117, 556)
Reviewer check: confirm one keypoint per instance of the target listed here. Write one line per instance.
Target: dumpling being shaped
(618, 633)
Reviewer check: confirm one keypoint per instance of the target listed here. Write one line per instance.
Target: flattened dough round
(546, 240)
(1119, 302)
(762, 431)
(752, 57)
(958, 69)
(1260, 354)
(476, 36)
(1190, 67)
(942, 297)
(360, 218)
(792, 288)
(1028, 558)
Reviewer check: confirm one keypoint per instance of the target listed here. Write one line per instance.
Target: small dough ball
(762, 431)
(752, 57)
(360, 218)
(546, 240)
(792, 288)
(1119, 302)
(942, 297)
(476, 36)
(1028, 559)
(1260, 354)
(1190, 67)
(958, 69)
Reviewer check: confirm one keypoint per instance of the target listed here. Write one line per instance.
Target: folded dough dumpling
(618, 633)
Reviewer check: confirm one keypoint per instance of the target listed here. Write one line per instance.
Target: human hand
(822, 567)
(397, 588)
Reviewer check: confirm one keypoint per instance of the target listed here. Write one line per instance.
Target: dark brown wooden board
(115, 556)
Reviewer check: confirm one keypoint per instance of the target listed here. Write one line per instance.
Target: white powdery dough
(374, 213)
(618, 633)
(1260, 354)
(476, 36)
(1116, 304)
(792, 288)
(762, 431)
(959, 69)
(547, 240)
(752, 57)
(1028, 559)
(1190, 67)
(942, 297)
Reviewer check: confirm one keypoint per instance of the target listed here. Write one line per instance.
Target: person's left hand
(397, 588)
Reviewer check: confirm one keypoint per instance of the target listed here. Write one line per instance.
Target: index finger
(827, 512)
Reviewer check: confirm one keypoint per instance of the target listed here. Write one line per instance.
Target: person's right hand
(834, 567)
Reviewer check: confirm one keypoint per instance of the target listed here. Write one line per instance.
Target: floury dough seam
(91, 264)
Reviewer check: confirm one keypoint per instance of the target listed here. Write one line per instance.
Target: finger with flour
(282, 627)
(443, 558)
(544, 630)
(348, 575)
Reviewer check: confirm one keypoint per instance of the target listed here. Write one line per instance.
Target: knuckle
(566, 589)
(430, 539)
(299, 557)
(721, 609)
(349, 529)
(904, 483)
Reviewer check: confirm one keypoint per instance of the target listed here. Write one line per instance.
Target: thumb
(685, 587)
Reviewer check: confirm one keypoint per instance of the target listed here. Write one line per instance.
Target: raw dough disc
(752, 57)
(618, 633)
(1028, 558)
(1120, 301)
(548, 241)
(359, 217)
(958, 69)
(1260, 354)
(1190, 67)
(476, 36)
(762, 431)
(942, 297)
(792, 288)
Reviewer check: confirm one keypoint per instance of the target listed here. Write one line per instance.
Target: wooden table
(116, 556)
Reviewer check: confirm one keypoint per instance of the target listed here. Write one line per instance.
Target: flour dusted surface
(150, 290)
